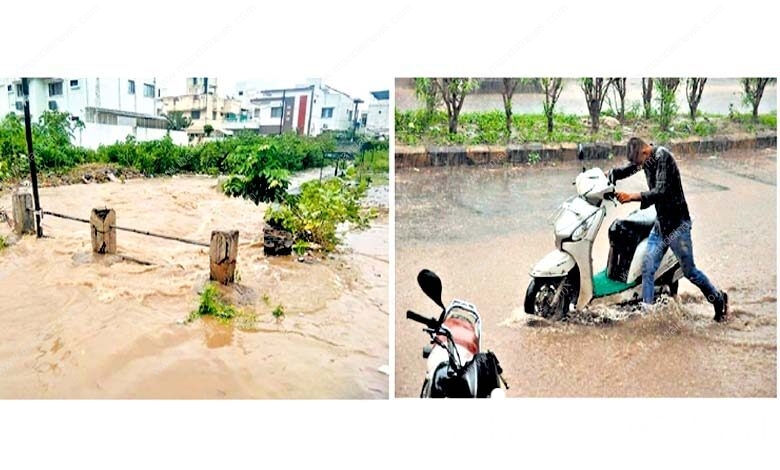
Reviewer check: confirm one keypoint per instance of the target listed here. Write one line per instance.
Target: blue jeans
(682, 247)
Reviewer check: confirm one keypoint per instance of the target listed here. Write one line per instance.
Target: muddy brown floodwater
(74, 325)
(482, 229)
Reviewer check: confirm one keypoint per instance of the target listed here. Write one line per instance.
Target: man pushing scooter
(673, 225)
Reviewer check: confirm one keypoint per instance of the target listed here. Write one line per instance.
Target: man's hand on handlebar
(628, 197)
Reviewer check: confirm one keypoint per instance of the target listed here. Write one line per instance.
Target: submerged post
(102, 224)
(223, 253)
(24, 221)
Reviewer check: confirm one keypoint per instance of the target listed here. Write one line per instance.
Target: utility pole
(31, 155)
(284, 110)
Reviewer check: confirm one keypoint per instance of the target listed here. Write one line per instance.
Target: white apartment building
(308, 109)
(110, 108)
(378, 116)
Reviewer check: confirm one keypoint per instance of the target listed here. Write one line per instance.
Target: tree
(177, 121)
(510, 86)
(754, 91)
(693, 90)
(552, 88)
(595, 90)
(619, 88)
(453, 92)
(647, 96)
(427, 91)
(667, 100)
(208, 129)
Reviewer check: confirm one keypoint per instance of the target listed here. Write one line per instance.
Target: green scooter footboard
(604, 286)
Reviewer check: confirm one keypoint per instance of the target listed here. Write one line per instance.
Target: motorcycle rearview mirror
(430, 284)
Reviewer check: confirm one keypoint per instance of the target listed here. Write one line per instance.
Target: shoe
(722, 307)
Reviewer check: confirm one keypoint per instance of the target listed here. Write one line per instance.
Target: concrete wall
(93, 135)
(378, 117)
(423, 156)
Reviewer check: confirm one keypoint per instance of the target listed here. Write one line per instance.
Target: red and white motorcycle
(456, 365)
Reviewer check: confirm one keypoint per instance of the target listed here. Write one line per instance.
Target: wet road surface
(482, 229)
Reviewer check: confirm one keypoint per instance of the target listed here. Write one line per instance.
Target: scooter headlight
(579, 232)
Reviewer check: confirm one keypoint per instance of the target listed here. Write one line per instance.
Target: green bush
(211, 303)
(313, 215)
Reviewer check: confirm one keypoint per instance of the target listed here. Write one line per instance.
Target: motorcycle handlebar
(429, 322)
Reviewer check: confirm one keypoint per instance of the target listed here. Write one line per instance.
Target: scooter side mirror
(430, 284)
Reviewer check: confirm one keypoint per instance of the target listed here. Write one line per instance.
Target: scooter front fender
(556, 263)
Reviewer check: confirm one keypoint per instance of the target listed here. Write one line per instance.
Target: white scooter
(456, 367)
(564, 279)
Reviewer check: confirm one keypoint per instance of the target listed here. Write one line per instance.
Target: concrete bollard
(102, 224)
(223, 253)
(24, 213)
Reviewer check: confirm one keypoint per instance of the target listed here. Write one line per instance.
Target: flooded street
(482, 229)
(76, 325)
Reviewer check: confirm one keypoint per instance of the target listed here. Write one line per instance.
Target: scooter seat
(463, 333)
(641, 227)
(637, 225)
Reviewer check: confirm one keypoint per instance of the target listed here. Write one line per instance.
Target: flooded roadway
(78, 326)
(482, 229)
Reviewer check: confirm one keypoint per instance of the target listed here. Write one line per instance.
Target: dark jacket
(665, 189)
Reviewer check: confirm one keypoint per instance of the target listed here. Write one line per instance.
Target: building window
(19, 106)
(52, 105)
(241, 93)
(19, 91)
(194, 81)
(74, 83)
(196, 115)
(148, 90)
(257, 113)
(10, 88)
(55, 89)
(130, 87)
(327, 113)
(213, 115)
(276, 112)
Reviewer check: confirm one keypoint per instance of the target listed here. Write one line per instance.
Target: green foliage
(278, 312)
(768, 120)
(313, 215)
(258, 177)
(534, 158)
(753, 91)
(634, 111)
(211, 303)
(3, 243)
(258, 159)
(428, 92)
(178, 121)
(300, 247)
(666, 98)
(208, 129)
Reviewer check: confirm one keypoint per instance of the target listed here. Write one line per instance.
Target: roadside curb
(473, 155)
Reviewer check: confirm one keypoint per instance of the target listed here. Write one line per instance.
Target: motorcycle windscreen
(462, 324)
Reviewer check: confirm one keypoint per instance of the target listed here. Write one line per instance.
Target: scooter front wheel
(541, 300)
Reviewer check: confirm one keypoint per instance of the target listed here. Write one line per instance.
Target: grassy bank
(419, 128)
